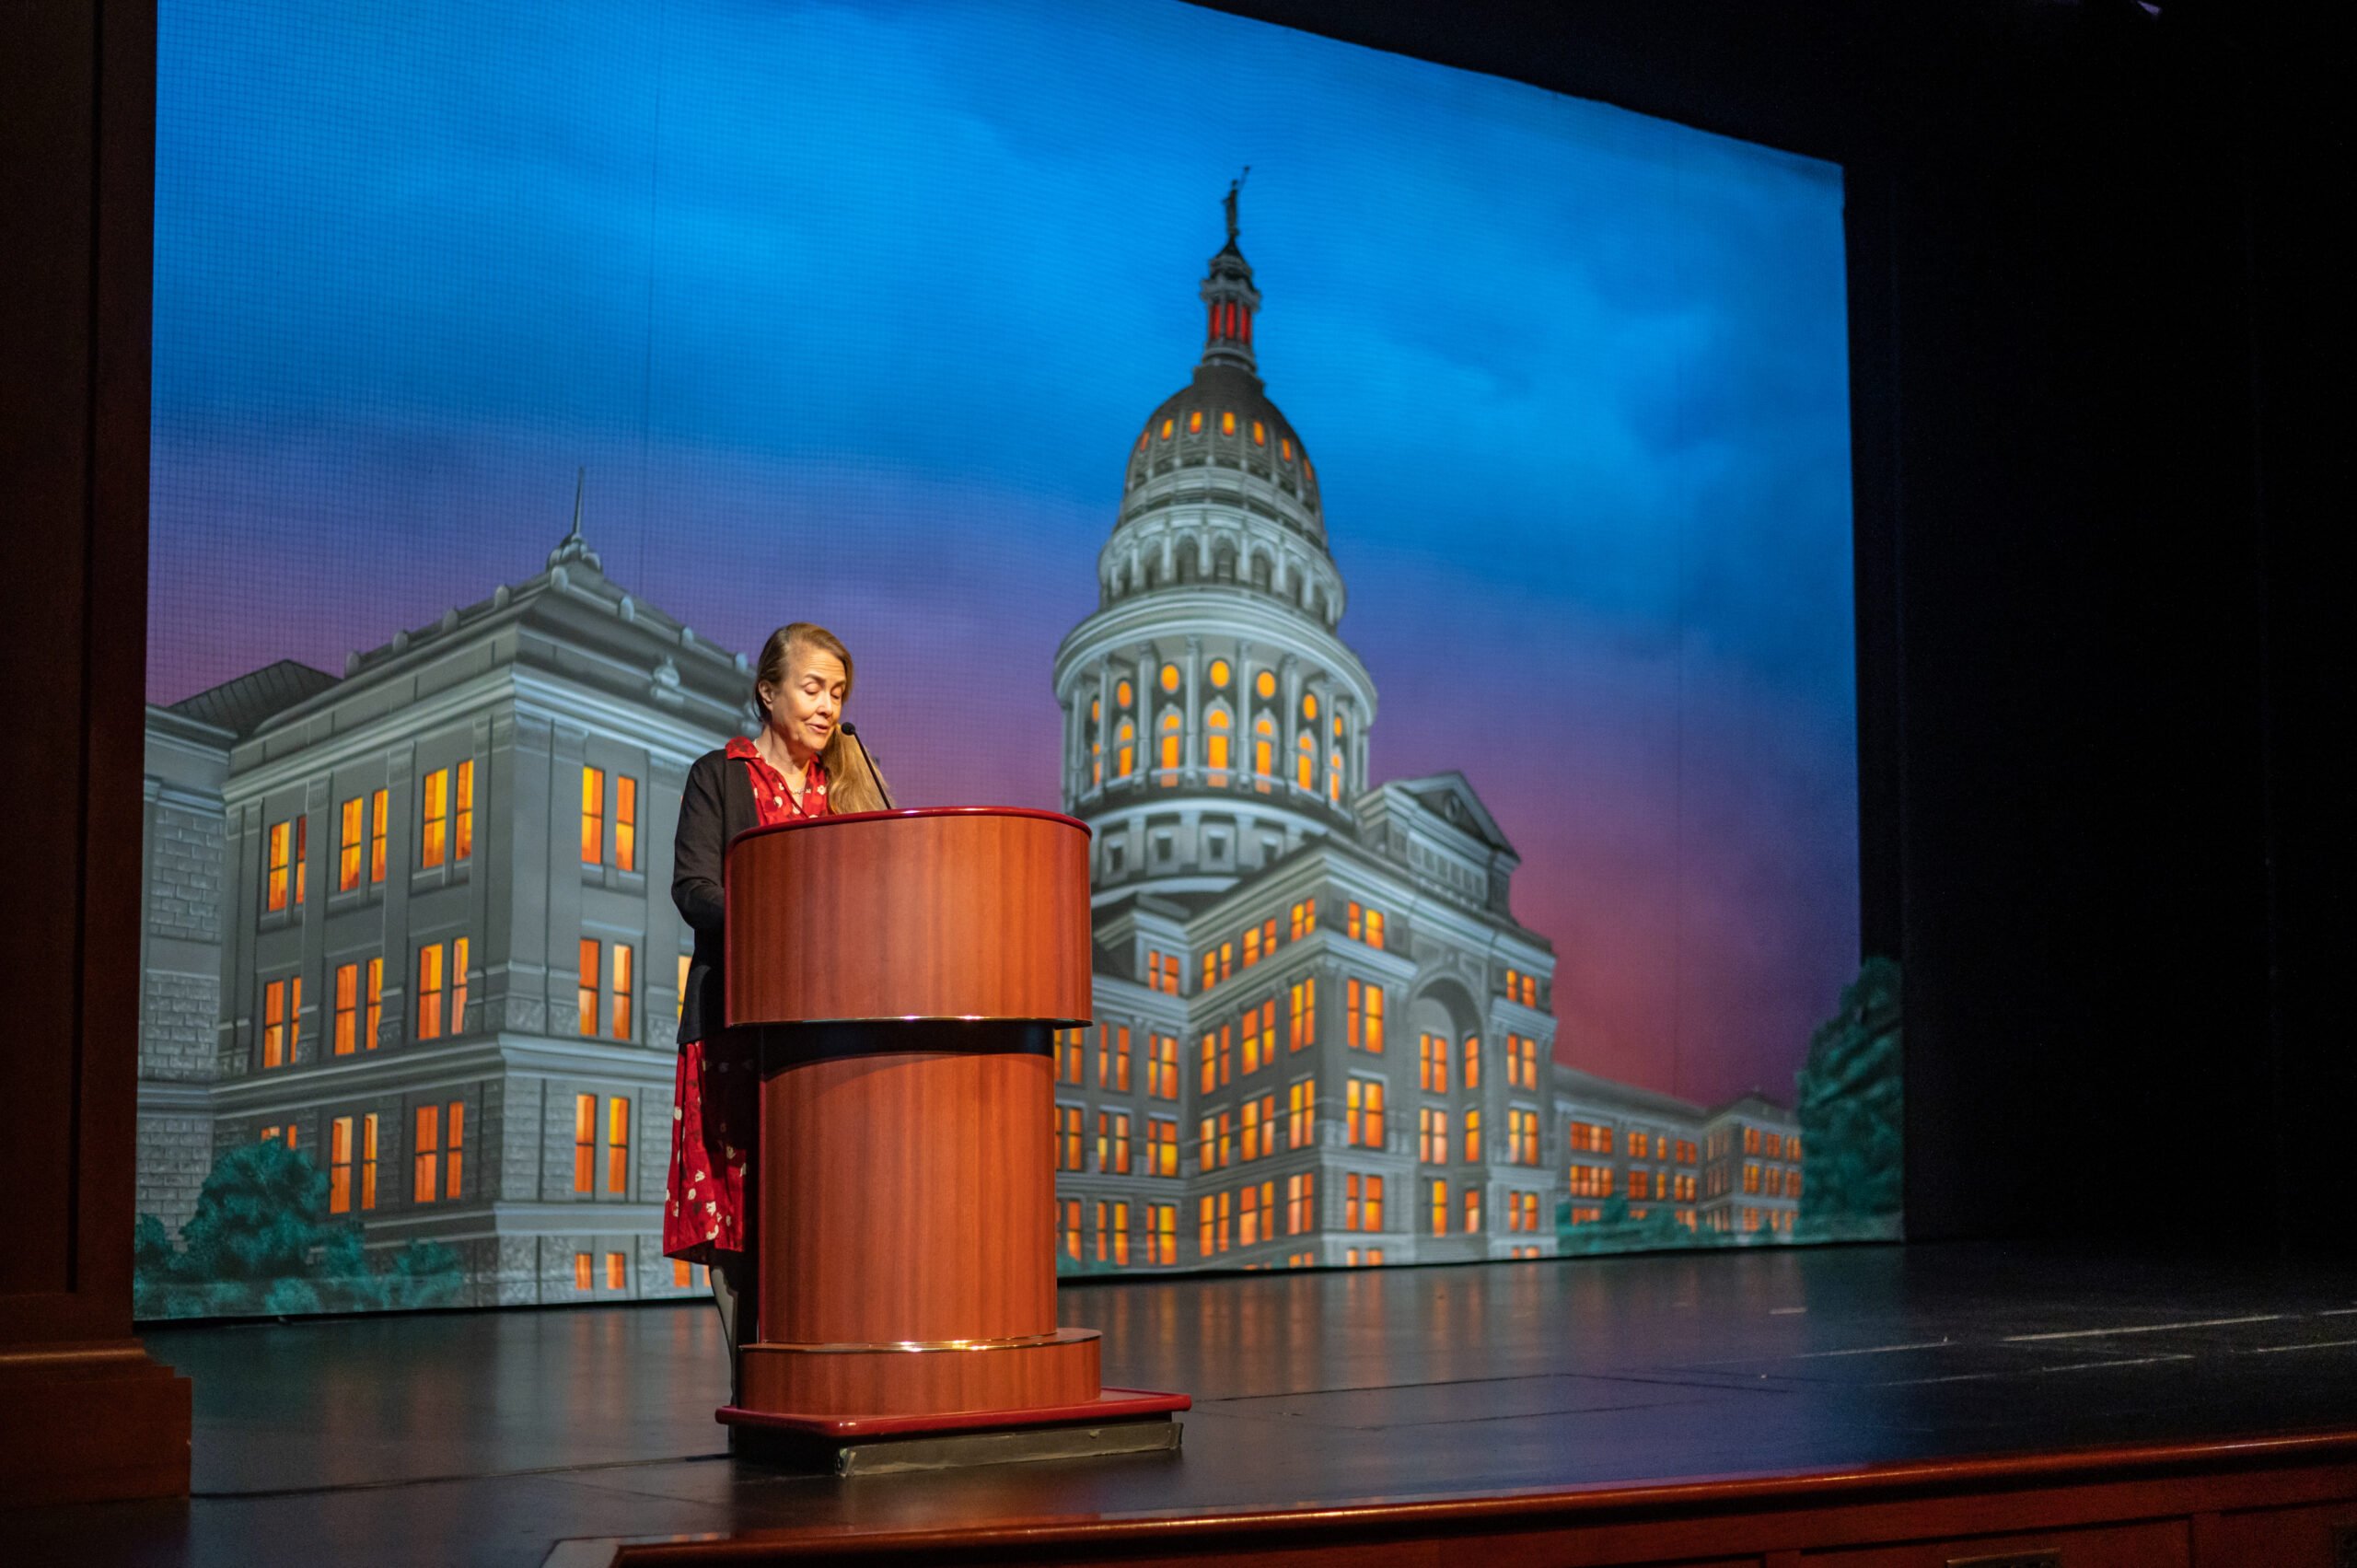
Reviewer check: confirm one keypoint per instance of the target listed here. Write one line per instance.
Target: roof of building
(240, 705)
(1573, 1084)
(1451, 796)
(568, 616)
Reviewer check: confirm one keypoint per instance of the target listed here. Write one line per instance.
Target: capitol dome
(1224, 418)
(1214, 716)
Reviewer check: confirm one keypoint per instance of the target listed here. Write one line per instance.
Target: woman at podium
(796, 766)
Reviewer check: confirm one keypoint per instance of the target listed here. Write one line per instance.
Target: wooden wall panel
(76, 197)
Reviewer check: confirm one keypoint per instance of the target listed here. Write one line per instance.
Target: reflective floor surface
(486, 1438)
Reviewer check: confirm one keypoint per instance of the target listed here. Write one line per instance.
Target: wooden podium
(908, 971)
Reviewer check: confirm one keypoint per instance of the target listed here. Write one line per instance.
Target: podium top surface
(836, 819)
(950, 912)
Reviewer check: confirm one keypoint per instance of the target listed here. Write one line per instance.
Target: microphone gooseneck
(869, 763)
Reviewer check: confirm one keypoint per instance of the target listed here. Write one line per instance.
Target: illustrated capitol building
(416, 922)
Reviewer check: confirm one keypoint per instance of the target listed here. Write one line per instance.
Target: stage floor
(486, 1438)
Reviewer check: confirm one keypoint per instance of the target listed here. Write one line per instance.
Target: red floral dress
(716, 1115)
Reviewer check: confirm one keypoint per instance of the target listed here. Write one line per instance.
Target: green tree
(262, 1241)
(1850, 1108)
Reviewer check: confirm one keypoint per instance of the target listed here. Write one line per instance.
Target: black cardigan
(716, 806)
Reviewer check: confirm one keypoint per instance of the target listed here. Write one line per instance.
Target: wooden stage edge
(2283, 1501)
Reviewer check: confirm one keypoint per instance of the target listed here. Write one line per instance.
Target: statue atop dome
(1234, 187)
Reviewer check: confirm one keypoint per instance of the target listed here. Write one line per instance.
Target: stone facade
(1360, 1031)
(377, 904)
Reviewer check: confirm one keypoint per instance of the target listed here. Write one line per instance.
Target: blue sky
(853, 312)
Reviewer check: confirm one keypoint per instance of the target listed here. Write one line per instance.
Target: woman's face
(803, 712)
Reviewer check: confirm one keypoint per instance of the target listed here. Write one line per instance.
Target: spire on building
(572, 547)
(1228, 296)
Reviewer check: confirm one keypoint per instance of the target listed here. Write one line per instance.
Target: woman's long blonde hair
(852, 784)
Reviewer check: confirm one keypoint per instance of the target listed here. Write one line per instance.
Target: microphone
(869, 762)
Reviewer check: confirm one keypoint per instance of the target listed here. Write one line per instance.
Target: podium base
(1053, 1371)
(1119, 1421)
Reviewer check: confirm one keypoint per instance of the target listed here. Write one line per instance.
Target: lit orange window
(458, 984)
(1265, 684)
(1162, 1247)
(433, 817)
(279, 876)
(1440, 1208)
(1305, 918)
(456, 1131)
(1301, 1203)
(1473, 1137)
(1170, 744)
(1143, 437)
(582, 1277)
(584, 1143)
(585, 993)
(1362, 1112)
(1364, 1023)
(1215, 742)
(379, 815)
(463, 821)
(1195, 422)
(1259, 434)
(1169, 677)
(347, 866)
(1220, 673)
(625, 822)
(1162, 1065)
(1167, 426)
(1431, 1062)
(625, 979)
(1472, 1061)
(375, 1013)
(593, 816)
(340, 1166)
(1127, 760)
(1304, 767)
(1334, 777)
(1301, 1113)
(1121, 693)
(1264, 751)
(1473, 1211)
(617, 1270)
(368, 1162)
(1114, 1040)
(617, 1145)
(274, 1024)
(1285, 448)
(347, 1007)
(1259, 1035)
(1227, 422)
(425, 1155)
(302, 856)
(429, 992)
